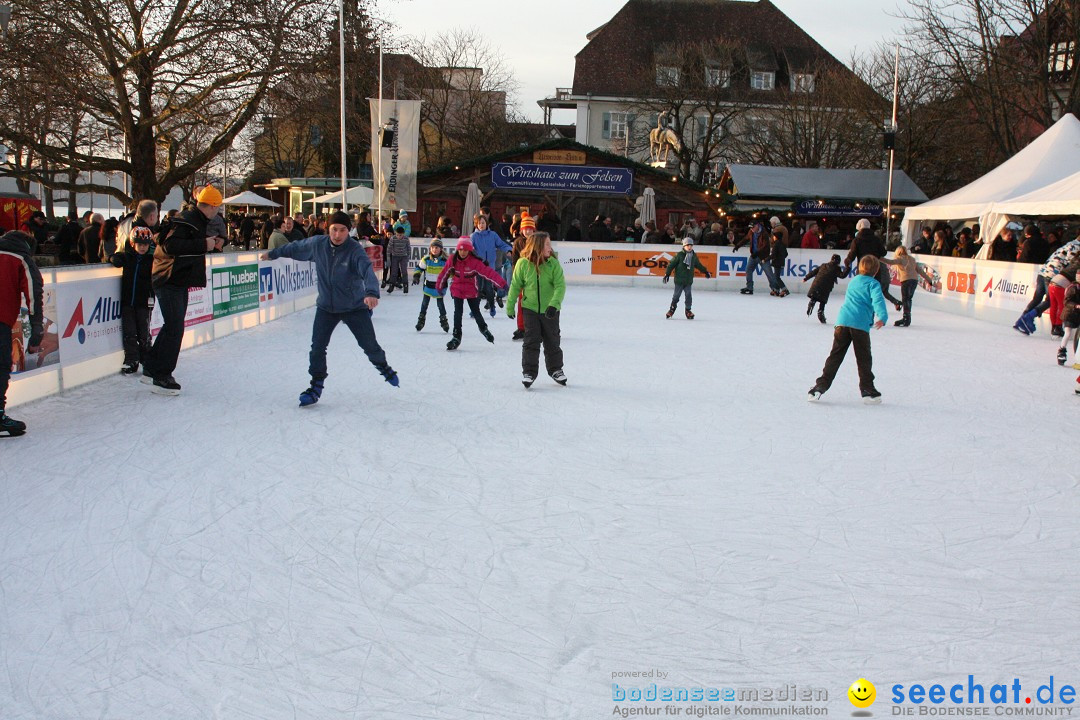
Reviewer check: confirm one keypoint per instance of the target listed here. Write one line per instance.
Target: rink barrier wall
(83, 339)
(983, 289)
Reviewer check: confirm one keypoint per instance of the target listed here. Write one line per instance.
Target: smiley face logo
(862, 693)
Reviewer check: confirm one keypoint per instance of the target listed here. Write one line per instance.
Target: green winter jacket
(540, 288)
(683, 274)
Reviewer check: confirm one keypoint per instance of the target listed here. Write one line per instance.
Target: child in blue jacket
(430, 267)
(862, 302)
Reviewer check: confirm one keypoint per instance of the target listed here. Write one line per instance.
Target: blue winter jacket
(344, 271)
(486, 243)
(862, 300)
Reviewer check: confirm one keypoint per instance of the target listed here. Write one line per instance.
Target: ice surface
(463, 548)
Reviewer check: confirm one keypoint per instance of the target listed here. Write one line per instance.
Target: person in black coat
(1005, 247)
(573, 234)
(599, 232)
(90, 239)
(1033, 248)
(68, 240)
(825, 278)
(777, 257)
(135, 300)
(868, 243)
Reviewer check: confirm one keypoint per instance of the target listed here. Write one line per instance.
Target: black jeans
(5, 363)
(427, 300)
(1040, 302)
(474, 308)
(358, 322)
(885, 280)
(135, 325)
(540, 329)
(842, 338)
(907, 293)
(160, 362)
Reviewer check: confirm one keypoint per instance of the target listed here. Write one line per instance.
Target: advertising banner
(284, 280)
(89, 312)
(617, 261)
(24, 363)
(529, 176)
(817, 208)
(200, 309)
(395, 166)
(235, 289)
(1001, 285)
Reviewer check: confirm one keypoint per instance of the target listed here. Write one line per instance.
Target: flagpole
(341, 64)
(892, 150)
(378, 149)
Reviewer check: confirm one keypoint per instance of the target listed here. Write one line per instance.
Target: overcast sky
(539, 38)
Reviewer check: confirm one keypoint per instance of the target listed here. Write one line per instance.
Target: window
(802, 82)
(1061, 56)
(717, 77)
(615, 125)
(760, 80)
(667, 76)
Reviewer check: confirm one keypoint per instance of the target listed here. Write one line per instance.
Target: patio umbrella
(648, 207)
(472, 206)
(359, 195)
(249, 199)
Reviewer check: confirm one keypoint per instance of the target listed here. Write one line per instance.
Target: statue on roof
(662, 140)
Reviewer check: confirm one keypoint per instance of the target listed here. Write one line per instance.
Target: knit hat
(399, 228)
(209, 195)
(688, 240)
(403, 215)
(339, 218)
(527, 221)
(863, 224)
(836, 259)
(436, 242)
(774, 221)
(465, 244)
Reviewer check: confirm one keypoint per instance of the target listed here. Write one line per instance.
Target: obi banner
(528, 176)
(395, 166)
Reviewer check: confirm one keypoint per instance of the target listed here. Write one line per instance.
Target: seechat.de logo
(862, 693)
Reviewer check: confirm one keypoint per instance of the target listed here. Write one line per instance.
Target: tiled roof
(620, 57)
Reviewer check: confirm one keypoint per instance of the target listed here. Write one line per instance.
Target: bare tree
(178, 81)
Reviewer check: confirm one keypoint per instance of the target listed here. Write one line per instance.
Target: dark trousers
(541, 330)
(399, 271)
(427, 300)
(474, 308)
(1040, 301)
(842, 338)
(487, 291)
(679, 291)
(135, 325)
(358, 322)
(161, 360)
(907, 294)
(5, 363)
(885, 280)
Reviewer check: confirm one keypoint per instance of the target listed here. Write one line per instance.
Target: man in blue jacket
(486, 244)
(348, 292)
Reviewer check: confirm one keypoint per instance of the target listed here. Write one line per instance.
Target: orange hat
(209, 195)
(527, 221)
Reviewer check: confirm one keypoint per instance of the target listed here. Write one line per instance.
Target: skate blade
(164, 391)
(871, 401)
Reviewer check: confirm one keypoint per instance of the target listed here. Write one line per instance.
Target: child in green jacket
(683, 265)
(539, 278)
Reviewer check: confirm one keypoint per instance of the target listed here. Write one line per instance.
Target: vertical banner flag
(396, 188)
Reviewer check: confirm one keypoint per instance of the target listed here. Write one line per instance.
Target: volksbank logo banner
(285, 280)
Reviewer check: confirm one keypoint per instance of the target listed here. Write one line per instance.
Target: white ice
(463, 548)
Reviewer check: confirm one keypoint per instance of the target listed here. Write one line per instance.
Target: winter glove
(708, 274)
(510, 311)
(416, 279)
(666, 279)
(550, 312)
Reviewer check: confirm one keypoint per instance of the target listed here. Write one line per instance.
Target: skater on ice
(868, 243)
(908, 272)
(526, 227)
(685, 262)
(348, 293)
(825, 278)
(466, 269)
(19, 278)
(538, 277)
(429, 268)
(862, 302)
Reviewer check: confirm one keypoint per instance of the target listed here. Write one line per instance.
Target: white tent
(1052, 156)
(249, 199)
(358, 195)
(1060, 198)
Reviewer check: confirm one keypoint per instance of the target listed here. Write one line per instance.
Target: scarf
(688, 259)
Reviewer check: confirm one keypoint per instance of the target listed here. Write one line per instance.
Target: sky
(538, 40)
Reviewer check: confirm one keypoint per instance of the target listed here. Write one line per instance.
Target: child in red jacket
(465, 266)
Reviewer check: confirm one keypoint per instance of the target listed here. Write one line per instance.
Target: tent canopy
(359, 195)
(1060, 198)
(249, 199)
(1051, 157)
(760, 181)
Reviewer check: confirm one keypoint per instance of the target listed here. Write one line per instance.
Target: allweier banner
(395, 166)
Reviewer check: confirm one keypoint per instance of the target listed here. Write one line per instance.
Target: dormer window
(717, 77)
(762, 80)
(802, 82)
(667, 76)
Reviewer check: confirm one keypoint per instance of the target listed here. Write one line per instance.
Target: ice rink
(461, 548)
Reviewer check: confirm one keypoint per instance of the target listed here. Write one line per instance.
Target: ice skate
(166, 386)
(813, 394)
(455, 341)
(420, 322)
(670, 312)
(10, 427)
(388, 374)
(689, 315)
(527, 380)
(559, 376)
(821, 316)
(871, 398)
(444, 323)
(312, 394)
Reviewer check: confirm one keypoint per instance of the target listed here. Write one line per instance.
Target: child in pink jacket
(465, 266)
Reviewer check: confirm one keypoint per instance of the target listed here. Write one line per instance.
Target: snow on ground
(462, 548)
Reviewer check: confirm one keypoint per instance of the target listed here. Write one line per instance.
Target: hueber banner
(395, 166)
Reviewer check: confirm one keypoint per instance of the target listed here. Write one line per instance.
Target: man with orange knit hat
(528, 227)
(179, 264)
